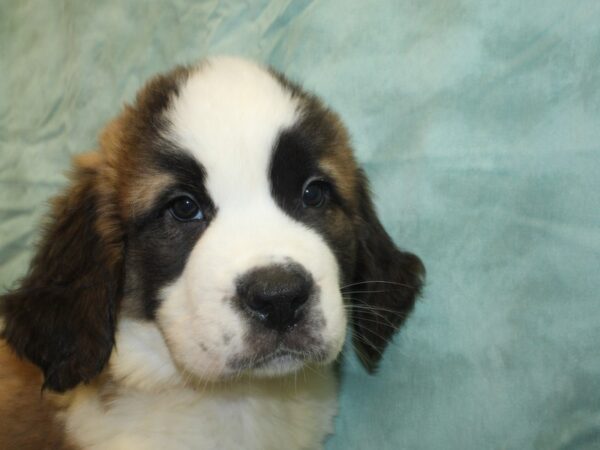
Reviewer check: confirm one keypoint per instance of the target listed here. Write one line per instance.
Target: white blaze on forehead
(228, 114)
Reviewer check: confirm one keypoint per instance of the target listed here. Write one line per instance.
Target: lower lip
(277, 358)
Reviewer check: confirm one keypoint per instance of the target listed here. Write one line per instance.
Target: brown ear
(62, 315)
(386, 284)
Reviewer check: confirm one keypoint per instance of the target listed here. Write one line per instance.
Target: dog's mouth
(279, 360)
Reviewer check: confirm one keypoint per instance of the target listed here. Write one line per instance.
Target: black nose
(275, 294)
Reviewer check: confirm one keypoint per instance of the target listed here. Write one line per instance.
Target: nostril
(260, 304)
(298, 301)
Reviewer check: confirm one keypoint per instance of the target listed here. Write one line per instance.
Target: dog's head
(225, 208)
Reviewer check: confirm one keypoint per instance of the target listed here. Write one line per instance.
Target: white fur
(293, 412)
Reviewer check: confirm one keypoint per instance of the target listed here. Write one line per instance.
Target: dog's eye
(315, 193)
(184, 208)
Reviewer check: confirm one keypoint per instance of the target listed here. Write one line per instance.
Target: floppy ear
(62, 314)
(386, 284)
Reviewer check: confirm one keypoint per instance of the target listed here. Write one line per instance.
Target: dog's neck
(141, 359)
(144, 402)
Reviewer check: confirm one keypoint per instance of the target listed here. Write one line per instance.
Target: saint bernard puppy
(194, 284)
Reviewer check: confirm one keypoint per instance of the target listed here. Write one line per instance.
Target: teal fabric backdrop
(479, 125)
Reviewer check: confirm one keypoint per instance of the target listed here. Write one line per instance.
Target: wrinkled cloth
(478, 123)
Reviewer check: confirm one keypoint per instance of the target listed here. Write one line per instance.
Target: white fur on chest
(293, 412)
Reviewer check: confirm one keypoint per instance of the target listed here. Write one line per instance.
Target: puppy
(194, 283)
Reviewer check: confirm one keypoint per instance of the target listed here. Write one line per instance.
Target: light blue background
(479, 125)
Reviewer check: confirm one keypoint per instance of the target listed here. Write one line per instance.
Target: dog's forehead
(228, 115)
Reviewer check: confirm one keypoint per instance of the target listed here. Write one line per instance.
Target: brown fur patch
(338, 161)
(28, 418)
(343, 171)
(142, 195)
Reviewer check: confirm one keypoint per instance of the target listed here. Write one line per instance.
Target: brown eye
(185, 209)
(315, 193)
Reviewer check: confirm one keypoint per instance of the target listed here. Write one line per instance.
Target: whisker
(373, 309)
(361, 354)
(365, 340)
(363, 305)
(382, 316)
(379, 291)
(381, 321)
(377, 281)
(379, 314)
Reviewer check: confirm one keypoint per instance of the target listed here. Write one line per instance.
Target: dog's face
(226, 208)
